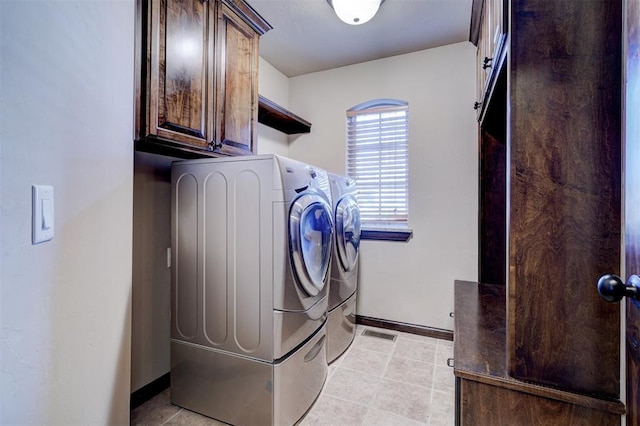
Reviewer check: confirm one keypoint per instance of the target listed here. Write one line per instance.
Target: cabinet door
(181, 65)
(236, 83)
(491, 38)
(485, 58)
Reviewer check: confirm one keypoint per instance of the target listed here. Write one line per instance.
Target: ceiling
(307, 36)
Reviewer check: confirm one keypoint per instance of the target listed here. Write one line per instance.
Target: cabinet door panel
(180, 66)
(237, 47)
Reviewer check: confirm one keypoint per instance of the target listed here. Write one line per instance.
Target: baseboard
(421, 330)
(148, 391)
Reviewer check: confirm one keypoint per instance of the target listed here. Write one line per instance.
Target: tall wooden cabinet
(565, 192)
(550, 221)
(198, 67)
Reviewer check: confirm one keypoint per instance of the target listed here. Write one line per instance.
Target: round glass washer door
(348, 232)
(310, 232)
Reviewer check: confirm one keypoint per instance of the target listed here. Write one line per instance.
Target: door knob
(613, 289)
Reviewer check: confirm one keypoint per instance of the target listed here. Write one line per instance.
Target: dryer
(251, 250)
(344, 270)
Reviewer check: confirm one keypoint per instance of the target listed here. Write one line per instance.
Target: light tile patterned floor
(375, 382)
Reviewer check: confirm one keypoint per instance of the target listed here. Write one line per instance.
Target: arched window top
(376, 103)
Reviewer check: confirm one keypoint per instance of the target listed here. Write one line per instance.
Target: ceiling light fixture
(355, 12)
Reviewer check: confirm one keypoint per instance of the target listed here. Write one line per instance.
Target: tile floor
(375, 382)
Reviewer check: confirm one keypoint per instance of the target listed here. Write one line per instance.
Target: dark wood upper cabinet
(180, 69)
(237, 83)
(198, 66)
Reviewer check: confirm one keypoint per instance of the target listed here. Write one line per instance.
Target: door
(632, 205)
(310, 232)
(631, 169)
(347, 232)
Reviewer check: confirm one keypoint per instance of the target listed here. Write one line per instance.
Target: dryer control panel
(298, 177)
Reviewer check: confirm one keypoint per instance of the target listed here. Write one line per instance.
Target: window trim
(380, 231)
(402, 235)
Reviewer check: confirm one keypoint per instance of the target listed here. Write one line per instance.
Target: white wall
(66, 91)
(408, 282)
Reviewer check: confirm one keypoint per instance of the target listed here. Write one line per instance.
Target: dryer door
(310, 232)
(348, 232)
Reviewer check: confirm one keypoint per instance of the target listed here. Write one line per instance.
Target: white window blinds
(378, 158)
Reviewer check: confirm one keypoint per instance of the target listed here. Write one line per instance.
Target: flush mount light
(355, 12)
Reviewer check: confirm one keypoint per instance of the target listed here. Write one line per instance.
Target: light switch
(43, 213)
(47, 213)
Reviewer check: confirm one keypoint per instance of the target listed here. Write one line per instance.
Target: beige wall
(409, 282)
(274, 86)
(66, 91)
(150, 323)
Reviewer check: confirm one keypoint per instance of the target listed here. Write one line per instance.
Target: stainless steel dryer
(344, 270)
(251, 249)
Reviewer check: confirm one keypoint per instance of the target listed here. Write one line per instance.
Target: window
(377, 159)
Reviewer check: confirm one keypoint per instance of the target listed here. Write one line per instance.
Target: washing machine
(251, 250)
(343, 283)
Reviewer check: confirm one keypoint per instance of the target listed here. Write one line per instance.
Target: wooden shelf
(273, 115)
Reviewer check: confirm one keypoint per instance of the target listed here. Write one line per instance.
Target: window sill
(403, 235)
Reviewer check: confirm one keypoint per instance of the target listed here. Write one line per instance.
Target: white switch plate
(43, 213)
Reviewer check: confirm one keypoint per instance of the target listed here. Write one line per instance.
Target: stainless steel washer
(251, 243)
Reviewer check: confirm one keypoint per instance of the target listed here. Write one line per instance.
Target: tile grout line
(377, 352)
(347, 400)
(389, 379)
(404, 417)
(170, 418)
(386, 365)
(415, 360)
(433, 383)
(353, 345)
